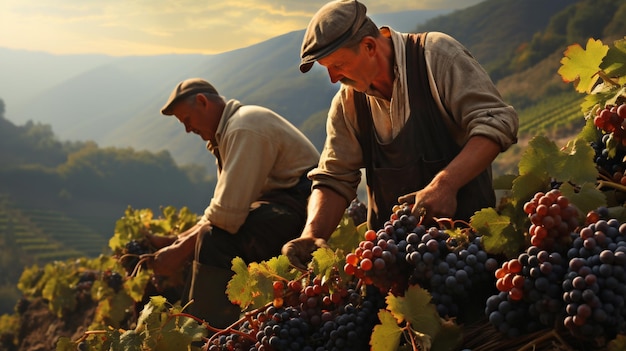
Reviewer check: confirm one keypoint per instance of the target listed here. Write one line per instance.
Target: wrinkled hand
(169, 262)
(299, 250)
(159, 241)
(430, 203)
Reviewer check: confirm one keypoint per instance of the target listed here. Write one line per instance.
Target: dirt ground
(40, 329)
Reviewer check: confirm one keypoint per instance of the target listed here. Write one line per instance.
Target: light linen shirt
(467, 99)
(260, 151)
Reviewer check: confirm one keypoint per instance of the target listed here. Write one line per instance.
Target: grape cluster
(357, 211)
(594, 287)
(314, 316)
(610, 119)
(530, 296)
(607, 163)
(552, 218)
(114, 280)
(133, 249)
(405, 252)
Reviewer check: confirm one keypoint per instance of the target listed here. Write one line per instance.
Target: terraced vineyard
(46, 235)
(557, 115)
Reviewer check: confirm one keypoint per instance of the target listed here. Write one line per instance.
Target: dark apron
(423, 148)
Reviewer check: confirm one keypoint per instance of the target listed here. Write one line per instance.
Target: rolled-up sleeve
(341, 159)
(471, 97)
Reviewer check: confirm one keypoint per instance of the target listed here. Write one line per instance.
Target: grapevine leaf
(346, 236)
(527, 185)
(618, 212)
(112, 340)
(386, 335)
(590, 132)
(239, 287)
(254, 285)
(588, 198)
(416, 308)
(136, 286)
(614, 64)
(577, 165)
(130, 341)
(65, 344)
(120, 304)
(449, 338)
(149, 316)
(324, 259)
(539, 156)
(172, 340)
(582, 65)
(504, 182)
(498, 233)
(281, 267)
(192, 328)
(617, 344)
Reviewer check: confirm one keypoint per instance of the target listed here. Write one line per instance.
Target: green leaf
(499, 235)
(539, 156)
(239, 287)
(449, 338)
(324, 260)
(582, 65)
(577, 164)
(527, 185)
(386, 335)
(346, 236)
(172, 340)
(504, 182)
(587, 198)
(150, 314)
(65, 344)
(416, 308)
(617, 344)
(131, 341)
(590, 132)
(614, 64)
(136, 286)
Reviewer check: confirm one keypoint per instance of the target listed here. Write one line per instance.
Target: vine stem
(617, 186)
(87, 333)
(532, 345)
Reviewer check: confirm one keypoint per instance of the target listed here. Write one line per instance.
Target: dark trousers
(261, 237)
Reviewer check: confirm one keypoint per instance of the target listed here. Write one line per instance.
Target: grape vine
(551, 255)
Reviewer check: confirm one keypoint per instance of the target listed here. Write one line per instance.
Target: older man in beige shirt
(259, 201)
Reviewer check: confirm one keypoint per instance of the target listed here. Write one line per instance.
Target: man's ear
(201, 100)
(369, 44)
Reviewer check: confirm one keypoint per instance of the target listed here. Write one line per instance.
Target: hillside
(120, 107)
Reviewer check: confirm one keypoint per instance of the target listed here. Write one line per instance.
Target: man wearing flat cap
(259, 201)
(415, 110)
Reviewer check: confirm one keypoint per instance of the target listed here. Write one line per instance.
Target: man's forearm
(325, 209)
(476, 156)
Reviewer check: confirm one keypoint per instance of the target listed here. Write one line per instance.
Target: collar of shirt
(390, 116)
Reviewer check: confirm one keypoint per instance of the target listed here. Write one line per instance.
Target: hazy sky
(151, 27)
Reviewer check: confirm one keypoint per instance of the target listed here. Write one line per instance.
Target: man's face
(196, 117)
(353, 68)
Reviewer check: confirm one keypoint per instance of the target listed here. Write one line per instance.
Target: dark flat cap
(329, 29)
(186, 88)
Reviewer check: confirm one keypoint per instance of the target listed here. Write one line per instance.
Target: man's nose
(334, 75)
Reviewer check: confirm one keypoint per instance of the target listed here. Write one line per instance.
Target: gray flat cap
(329, 29)
(186, 88)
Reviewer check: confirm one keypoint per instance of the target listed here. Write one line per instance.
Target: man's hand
(159, 241)
(170, 261)
(431, 202)
(299, 250)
